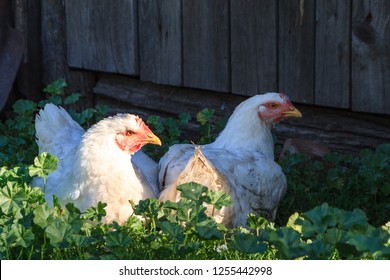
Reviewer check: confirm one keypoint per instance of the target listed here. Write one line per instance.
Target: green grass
(334, 208)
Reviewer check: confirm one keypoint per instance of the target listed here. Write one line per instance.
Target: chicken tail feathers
(56, 130)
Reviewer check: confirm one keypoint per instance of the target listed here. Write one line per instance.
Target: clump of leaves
(183, 227)
(343, 180)
(17, 134)
(169, 130)
(326, 232)
(209, 128)
(30, 229)
(44, 164)
(56, 95)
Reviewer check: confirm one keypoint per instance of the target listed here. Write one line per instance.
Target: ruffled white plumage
(91, 166)
(244, 156)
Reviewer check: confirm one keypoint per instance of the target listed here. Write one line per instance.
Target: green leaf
(23, 237)
(184, 118)
(366, 243)
(287, 241)
(355, 219)
(292, 222)
(174, 231)
(256, 222)
(88, 113)
(219, 199)
(11, 198)
(95, 213)
(22, 106)
(43, 165)
(149, 207)
(79, 240)
(57, 231)
(247, 243)
(42, 214)
(56, 87)
(118, 239)
(194, 191)
(72, 217)
(204, 116)
(208, 230)
(55, 99)
(71, 99)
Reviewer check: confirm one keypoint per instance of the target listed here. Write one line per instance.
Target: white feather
(91, 166)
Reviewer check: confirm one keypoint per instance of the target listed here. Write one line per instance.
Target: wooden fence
(322, 52)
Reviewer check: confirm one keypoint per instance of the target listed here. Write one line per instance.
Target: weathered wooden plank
(206, 40)
(29, 78)
(53, 41)
(103, 35)
(160, 41)
(54, 62)
(296, 49)
(339, 130)
(253, 46)
(164, 99)
(332, 60)
(371, 56)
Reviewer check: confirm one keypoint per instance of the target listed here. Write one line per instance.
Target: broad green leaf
(287, 241)
(118, 239)
(72, 217)
(247, 243)
(55, 99)
(57, 231)
(386, 227)
(174, 231)
(148, 207)
(43, 165)
(256, 222)
(11, 198)
(95, 213)
(355, 219)
(292, 222)
(79, 240)
(171, 205)
(88, 113)
(23, 237)
(194, 191)
(219, 199)
(204, 116)
(184, 118)
(56, 87)
(208, 230)
(22, 106)
(42, 214)
(71, 99)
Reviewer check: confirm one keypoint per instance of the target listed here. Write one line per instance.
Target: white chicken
(95, 165)
(243, 155)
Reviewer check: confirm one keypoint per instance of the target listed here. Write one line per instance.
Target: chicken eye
(129, 133)
(274, 105)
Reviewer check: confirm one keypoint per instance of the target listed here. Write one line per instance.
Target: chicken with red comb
(95, 165)
(240, 161)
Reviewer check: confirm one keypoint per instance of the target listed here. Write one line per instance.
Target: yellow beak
(293, 112)
(152, 139)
